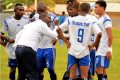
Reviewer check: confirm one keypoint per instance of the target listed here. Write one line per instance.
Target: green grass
(61, 61)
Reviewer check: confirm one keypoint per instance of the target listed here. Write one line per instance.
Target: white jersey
(80, 30)
(13, 26)
(35, 17)
(93, 37)
(46, 41)
(33, 33)
(104, 22)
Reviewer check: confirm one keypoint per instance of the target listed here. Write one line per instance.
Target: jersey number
(80, 35)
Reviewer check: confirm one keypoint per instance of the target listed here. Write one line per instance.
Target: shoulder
(25, 17)
(53, 16)
(40, 22)
(9, 18)
(106, 18)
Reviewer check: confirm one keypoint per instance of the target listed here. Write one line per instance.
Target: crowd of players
(31, 42)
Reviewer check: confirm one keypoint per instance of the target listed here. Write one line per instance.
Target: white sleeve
(64, 25)
(95, 28)
(107, 23)
(5, 27)
(48, 32)
(17, 37)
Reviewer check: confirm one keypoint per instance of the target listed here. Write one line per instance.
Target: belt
(23, 46)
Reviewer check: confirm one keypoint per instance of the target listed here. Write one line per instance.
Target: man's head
(45, 17)
(69, 1)
(72, 8)
(41, 7)
(84, 8)
(100, 7)
(19, 10)
(63, 12)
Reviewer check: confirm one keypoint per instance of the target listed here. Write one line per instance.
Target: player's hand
(6, 39)
(11, 41)
(68, 44)
(56, 22)
(90, 47)
(2, 43)
(54, 41)
(109, 55)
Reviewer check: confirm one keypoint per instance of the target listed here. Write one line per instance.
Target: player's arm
(54, 41)
(109, 51)
(108, 26)
(48, 32)
(60, 34)
(7, 39)
(97, 40)
(63, 27)
(96, 30)
(2, 40)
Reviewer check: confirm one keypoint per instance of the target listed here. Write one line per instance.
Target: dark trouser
(27, 63)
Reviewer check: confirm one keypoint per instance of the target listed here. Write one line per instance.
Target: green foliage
(7, 4)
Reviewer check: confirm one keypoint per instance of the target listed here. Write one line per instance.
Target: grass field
(61, 60)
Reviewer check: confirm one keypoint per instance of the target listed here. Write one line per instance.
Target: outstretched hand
(3, 43)
(109, 55)
(56, 22)
(90, 47)
(68, 44)
(6, 39)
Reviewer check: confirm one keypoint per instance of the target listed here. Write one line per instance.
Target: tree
(7, 4)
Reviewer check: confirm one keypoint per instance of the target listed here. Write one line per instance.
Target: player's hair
(84, 7)
(73, 4)
(42, 15)
(18, 4)
(42, 6)
(102, 3)
(63, 12)
(69, 1)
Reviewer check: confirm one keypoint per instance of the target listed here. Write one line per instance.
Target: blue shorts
(92, 62)
(85, 61)
(46, 58)
(102, 61)
(12, 63)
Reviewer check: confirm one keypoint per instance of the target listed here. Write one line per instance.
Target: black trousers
(27, 63)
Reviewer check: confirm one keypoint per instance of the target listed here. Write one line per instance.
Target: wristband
(109, 49)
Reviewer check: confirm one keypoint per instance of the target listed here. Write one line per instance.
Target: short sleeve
(4, 27)
(107, 23)
(48, 32)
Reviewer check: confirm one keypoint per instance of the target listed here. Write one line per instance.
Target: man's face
(98, 9)
(47, 19)
(19, 10)
(72, 12)
(40, 10)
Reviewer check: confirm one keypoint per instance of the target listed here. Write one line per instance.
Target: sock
(66, 75)
(12, 75)
(52, 75)
(100, 76)
(105, 77)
